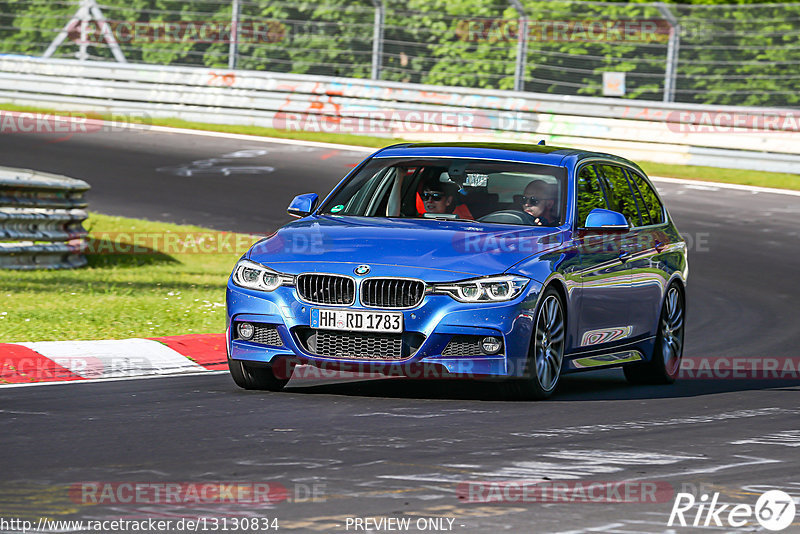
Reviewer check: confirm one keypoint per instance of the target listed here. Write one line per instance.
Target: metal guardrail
(41, 220)
(655, 131)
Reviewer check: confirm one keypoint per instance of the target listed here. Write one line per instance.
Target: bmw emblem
(361, 270)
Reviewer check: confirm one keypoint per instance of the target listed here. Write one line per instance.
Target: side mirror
(605, 220)
(303, 205)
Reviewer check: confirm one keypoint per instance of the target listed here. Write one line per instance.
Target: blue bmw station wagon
(509, 262)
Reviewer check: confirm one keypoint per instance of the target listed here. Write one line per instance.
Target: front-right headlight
(497, 288)
(252, 275)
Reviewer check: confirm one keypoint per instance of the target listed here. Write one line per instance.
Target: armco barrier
(41, 218)
(734, 137)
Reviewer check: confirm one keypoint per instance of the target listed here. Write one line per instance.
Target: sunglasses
(533, 201)
(429, 195)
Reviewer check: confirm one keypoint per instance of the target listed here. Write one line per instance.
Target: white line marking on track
(413, 416)
(645, 424)
(365, 149)
(356, 148)
(627, 458)
(751, 461)
(255, 138)
(609, 528)
(788, 438)
(711, 186)
(637, 524)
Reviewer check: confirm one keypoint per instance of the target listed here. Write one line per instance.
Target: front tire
(546, 352)
(664, 366)
(252, 377)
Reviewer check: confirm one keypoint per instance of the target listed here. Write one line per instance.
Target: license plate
(356, 321)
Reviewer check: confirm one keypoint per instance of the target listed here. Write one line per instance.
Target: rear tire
(665, 365)
(546, 351)
(255, 377)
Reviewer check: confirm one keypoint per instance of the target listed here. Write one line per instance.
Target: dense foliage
(729, 54)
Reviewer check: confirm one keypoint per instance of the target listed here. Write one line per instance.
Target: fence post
(522, 47)
(83, 47)
(233, 51)
(377, 40)
(673, 46)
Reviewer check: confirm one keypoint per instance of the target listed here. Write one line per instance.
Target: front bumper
(437, 319)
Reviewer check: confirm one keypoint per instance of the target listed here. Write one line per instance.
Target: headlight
(253, 275)
(487, 289)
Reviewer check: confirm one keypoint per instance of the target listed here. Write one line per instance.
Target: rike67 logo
(774, 510)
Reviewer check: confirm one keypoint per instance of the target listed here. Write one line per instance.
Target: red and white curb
(62, 361)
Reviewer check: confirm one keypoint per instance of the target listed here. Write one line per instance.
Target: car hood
(432, 250)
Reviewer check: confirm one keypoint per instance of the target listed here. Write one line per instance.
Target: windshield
(463, 189)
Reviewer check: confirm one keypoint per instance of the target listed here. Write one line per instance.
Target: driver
(538, 201)
(438, 197)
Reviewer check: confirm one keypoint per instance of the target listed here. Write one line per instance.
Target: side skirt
(606, 360)
(609, 356)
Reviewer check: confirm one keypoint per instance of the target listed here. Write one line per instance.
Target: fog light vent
(491, 345)
(245, 331)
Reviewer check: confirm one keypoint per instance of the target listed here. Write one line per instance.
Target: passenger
(538, 200)
(438, 197)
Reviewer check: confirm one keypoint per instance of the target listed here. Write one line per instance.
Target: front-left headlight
(498, 288)
(252, 275)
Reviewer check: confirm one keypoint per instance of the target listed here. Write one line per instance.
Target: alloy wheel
(549, 342)
(672, 330)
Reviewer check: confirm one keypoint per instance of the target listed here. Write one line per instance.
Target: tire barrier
(41, 220)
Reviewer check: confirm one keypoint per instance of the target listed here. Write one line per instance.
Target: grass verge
(144, 279)
(689, 172)
(729, 176)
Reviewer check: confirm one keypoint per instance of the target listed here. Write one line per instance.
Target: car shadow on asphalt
(605, 385)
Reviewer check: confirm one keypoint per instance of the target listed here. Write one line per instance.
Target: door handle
(659, 246)
(624, 255)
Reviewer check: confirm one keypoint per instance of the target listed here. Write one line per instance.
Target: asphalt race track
(399, 448)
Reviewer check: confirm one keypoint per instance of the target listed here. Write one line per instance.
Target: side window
(652, 204)
(590, 195)
(619, 195)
